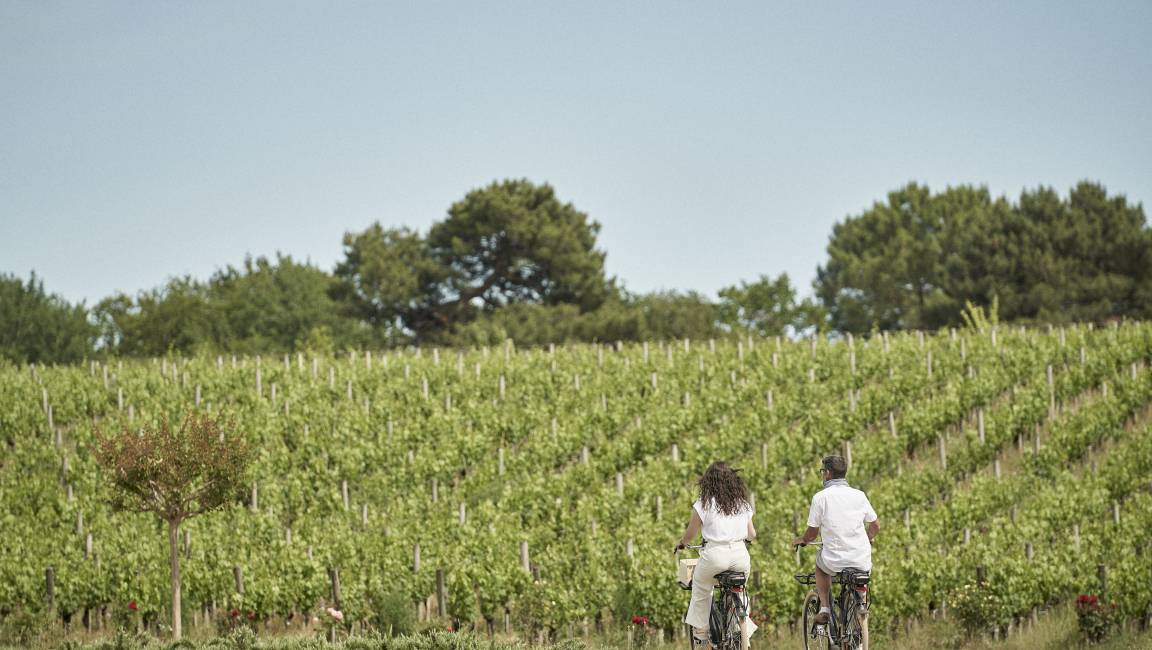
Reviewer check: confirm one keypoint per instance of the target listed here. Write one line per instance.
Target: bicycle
(729, 609)
(847, 627)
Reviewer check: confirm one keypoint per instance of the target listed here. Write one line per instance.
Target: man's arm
(871, 521)
(808, 537)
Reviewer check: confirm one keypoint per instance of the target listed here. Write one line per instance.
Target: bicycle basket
(684, 570)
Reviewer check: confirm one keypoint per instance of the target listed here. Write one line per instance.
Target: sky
(713, 142)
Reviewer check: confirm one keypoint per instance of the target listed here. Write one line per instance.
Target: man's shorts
(820, 564)
(824, 567)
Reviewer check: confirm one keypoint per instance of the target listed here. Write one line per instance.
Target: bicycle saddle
(731, 578)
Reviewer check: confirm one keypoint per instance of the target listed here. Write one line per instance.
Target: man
(846, 523)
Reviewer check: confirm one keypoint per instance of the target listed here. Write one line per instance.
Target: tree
(391, 280)
(36, 327)
(915, 261)
(884, 267)
(176, 474)
(262, 306)
(767, 307)
(514, 241)
(270, 306)
(676, 315)
(1090, 257)
(509, 243)
(174, 318)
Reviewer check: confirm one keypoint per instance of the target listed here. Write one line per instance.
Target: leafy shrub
(976, 609)
(1093, 617)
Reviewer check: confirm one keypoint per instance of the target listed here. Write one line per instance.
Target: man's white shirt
(841, 512)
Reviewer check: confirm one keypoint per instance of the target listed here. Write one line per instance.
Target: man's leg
(823, 589)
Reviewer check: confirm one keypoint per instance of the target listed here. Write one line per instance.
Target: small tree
(175, 474)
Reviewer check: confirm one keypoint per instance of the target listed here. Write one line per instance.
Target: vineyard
(542, 490)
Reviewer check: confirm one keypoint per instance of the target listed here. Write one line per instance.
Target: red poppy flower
(235, 613)
(251, 616)
(1086, 599)
(132, 605)
(640, 620)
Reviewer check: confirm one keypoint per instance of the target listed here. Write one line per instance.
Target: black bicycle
(847, 627)
(729, 609)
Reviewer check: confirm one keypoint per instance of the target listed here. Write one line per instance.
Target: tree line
(511, 260)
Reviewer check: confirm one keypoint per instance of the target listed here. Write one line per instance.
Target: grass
(1053, 631)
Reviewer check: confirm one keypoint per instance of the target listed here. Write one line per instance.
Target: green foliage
(264, 306)
(914, 261)
(768, 307)
(509, 243)
(514, 241)
(36, 327)
(976, 318)
(175, 318)
(392, 611)
(392, 281)
(976, 609)
(647, 317)
(276, 306)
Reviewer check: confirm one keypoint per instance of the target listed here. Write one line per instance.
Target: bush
(392, 612)
(976, 609)
(1093, 618)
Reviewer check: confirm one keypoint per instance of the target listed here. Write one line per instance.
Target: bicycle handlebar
(700, 546)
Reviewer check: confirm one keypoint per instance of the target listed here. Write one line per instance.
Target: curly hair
(724, 485)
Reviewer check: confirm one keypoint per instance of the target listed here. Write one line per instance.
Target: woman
(724, 515)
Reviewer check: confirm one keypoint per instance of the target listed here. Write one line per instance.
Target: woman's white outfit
(724, 550)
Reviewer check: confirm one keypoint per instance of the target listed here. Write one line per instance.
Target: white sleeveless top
(722, 528)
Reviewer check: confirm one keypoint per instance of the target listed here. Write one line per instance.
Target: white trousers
(714, 558)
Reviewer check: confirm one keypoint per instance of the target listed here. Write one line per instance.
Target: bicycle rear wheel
(854, 636)
(808, 632)
(733, 615)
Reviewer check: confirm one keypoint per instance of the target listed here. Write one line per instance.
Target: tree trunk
(174, 551)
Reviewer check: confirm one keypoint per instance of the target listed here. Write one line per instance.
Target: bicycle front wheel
(813, 641)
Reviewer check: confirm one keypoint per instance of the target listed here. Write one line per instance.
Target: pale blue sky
(713, 141)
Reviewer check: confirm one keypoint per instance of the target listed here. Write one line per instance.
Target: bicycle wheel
(733, 613)
(853, 626)
(808, 631)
